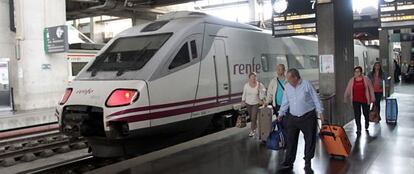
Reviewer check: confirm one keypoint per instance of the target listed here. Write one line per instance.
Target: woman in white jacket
(276, 88)
(253, 96)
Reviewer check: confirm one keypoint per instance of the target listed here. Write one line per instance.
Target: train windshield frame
(128, 53)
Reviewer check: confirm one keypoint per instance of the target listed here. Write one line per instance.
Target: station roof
(145, 9)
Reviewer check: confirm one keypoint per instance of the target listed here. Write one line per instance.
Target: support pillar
(387, 57)
(39, 79)
(406, 48)
(335, 34)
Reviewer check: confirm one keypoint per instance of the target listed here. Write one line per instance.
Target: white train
(169, 79)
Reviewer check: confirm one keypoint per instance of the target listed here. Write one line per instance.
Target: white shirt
(251, 96)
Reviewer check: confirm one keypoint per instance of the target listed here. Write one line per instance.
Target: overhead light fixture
(389, 0)
(280, 6)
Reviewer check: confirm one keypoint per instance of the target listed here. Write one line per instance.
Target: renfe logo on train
(244, 69)
(84, 91)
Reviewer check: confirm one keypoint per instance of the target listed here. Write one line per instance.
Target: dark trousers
(357, 112)
(378, 97)
(307, 124)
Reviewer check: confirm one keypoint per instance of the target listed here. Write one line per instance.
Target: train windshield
(128, 54)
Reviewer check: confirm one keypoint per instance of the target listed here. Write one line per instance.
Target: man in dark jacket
(397, 72)
(410, 71)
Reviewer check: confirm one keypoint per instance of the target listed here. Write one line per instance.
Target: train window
(282, 60)
(128, 54)
(194, 53)
(181, 58)
(154, 26)
(295, 61)
(356, 61)
(77, 67)
(265, 65)
(311, 62)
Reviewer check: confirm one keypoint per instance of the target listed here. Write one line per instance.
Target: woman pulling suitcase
(253, 96)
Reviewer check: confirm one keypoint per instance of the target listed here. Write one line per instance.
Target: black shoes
(308, 166)
(286, 166)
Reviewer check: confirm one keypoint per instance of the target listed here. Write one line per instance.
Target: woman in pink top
(361, 93)
(377, 76)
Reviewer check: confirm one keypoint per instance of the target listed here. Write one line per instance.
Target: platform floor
(20, 119)
(385, 149)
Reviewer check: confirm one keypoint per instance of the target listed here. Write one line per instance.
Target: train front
(105, 99)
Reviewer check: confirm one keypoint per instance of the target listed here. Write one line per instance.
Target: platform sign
(396, 13)
(56, 39)
(326, 64)
(293, 17)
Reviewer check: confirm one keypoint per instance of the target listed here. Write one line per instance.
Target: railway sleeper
(28, 157)
(7, 162)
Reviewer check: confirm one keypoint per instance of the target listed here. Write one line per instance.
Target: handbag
(277, 139)
(241, 119)
(373, 114)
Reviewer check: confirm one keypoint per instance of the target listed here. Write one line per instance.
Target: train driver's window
(182, 57)
(193, 46)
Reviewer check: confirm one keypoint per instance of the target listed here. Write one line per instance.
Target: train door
(222, 73)
(5, 93)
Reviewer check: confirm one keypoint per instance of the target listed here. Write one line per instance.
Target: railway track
(37, 145)
(74, 166)
(88, 162)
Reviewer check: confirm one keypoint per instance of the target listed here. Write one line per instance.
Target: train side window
(193, 46)
(356, 61)
(311, 62)
(77, 67)
(182, 57)
(295, 61)
(265, 63)
(282, 60)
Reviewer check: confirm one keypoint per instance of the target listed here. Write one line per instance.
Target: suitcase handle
(329, 99)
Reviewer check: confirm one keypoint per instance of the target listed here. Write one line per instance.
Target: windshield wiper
(95, 65)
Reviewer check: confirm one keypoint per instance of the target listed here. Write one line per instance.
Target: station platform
(384, 149)
(14, 120)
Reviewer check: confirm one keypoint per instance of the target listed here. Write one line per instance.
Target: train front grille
(81, 120)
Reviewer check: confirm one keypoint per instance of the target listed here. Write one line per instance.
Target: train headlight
(66, 96)
(122, 97)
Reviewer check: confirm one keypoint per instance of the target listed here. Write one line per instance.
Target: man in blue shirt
(300, 105)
